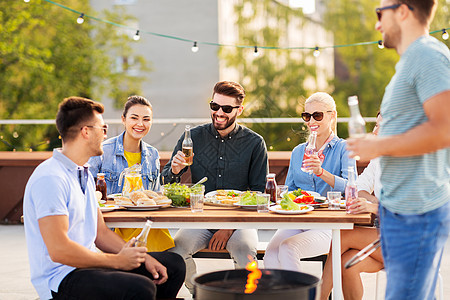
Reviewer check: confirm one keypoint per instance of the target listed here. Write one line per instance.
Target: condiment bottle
(271, 187)
(101, 185)
(187, 146)
(351, 191)
(309, 150)
(356, 123)
(141, 239)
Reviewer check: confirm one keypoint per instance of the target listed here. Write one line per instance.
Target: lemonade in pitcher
(132, 180)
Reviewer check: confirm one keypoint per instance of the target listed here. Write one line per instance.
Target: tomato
(305, 193)
(308, 199)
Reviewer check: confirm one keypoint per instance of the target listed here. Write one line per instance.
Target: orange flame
(252, 279)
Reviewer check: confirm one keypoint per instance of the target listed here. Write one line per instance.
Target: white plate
(108, 207)
(214, 193)
(342, 203)
(277, 209)
(245, 206)
(143, 207)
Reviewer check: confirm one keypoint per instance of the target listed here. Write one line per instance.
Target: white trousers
(241, 245)
(288, 246)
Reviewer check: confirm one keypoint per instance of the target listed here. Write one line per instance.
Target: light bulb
(380, 44)
(256, 53)
(80, 19)
(444, 34)
(195, 48)
(137, 37)
(316, 52)
(26, 1)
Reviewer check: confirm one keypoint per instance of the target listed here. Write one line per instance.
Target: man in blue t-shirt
(64, 226)
(414, 150)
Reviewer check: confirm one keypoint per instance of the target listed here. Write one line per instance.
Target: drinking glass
(282, 189)
(196, 198)
(334, 199)
(262, 201)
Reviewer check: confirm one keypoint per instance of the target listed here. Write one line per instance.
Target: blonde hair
(328, 101)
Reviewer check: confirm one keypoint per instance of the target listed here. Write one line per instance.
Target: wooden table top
(231, 214)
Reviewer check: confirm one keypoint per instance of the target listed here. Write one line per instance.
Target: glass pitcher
(132, 180)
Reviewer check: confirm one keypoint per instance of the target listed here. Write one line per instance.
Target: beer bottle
(141, 239)
(356, 123)
(187, 146)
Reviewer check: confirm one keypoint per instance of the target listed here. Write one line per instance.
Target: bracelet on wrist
(318, 175)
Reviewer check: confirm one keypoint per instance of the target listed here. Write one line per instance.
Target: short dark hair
(74, 111)
(132, 101)
(423, 9)
(231, 89)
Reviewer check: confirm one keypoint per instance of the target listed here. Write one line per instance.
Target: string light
(195, 48)
(380, 44)
(26, 1)
(316, 52)
(80, 19)
(256, 53)
(137, 37)
(444, 34)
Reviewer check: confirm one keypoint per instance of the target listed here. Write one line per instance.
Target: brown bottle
(271, 187)
(101, 185)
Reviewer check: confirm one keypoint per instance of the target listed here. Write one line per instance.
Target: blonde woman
(329, 173)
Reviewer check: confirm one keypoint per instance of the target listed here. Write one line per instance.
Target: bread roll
(145, 202)
(122, 201)
(136, 196)
(151, 194)
(163, 200)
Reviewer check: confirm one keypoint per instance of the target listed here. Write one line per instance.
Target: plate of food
(223, 197)
(248, 200)
(300, 196)
(179, 193)
(108, 207)
(143, 200)
(113, 196)
(302, 209)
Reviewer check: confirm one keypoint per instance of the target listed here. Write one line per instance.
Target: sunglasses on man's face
(104, 128)
(379, 10)
(317, 115)
(225, 108)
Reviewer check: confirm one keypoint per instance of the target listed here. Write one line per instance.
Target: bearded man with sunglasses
(414, 150)
(232, 157)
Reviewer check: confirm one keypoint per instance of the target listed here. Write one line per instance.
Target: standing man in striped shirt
(414, 146)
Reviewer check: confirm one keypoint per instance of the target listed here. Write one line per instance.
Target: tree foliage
(46, 56)
(274, 81)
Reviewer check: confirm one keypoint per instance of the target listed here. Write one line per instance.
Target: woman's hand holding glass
(361, 205)
(313, 164)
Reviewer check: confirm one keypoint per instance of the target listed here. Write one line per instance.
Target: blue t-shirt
(415, 184)
(336, 162)
(54, 189)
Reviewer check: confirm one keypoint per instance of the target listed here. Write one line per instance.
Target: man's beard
(392, 40)
(224, 126)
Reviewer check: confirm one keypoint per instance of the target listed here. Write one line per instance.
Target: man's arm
(65, 251)
(427, 137)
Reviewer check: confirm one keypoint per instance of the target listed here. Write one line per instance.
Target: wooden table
(214, 217)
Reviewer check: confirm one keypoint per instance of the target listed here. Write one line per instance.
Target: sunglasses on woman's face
(225, 108)
(317, 115)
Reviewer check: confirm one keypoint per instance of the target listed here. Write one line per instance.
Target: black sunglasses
(395, 6)
(104, 127)
(317, 115)
(226, 108)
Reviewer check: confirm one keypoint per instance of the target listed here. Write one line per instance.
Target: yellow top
(158, 239)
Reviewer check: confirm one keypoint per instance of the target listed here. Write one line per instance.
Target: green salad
(248, 198)
(179, 193)
(287, 204)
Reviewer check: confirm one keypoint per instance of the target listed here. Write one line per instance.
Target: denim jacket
(113, 162)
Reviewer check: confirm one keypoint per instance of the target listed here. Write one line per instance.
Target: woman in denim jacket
(125, 150)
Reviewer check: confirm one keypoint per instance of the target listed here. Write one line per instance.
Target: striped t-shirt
(415, 184)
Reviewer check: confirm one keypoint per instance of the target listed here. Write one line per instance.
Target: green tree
(46, 56)
(274, 81)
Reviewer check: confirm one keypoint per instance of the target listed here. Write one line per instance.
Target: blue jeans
(412, 247)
